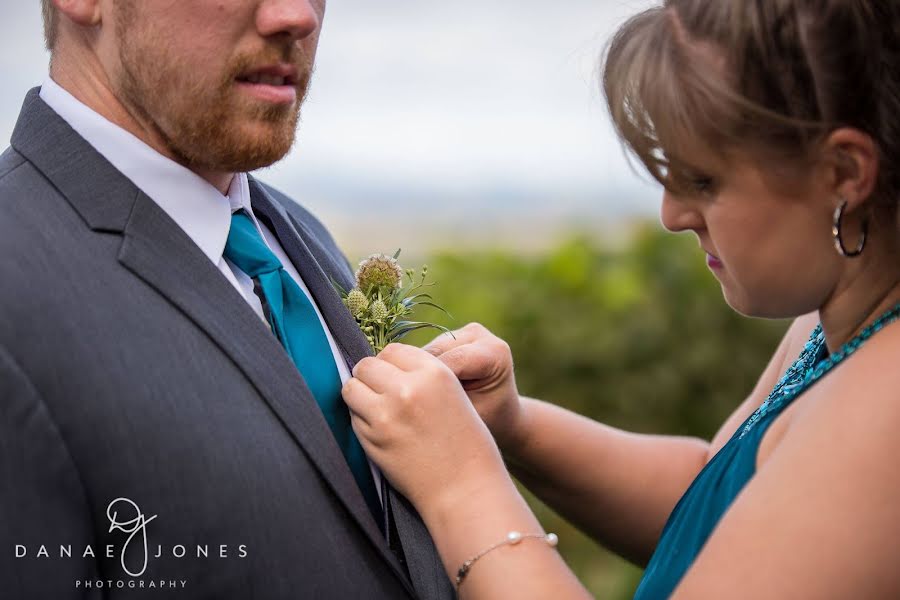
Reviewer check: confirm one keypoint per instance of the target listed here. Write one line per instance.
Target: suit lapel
(318, 268)
(155, 249)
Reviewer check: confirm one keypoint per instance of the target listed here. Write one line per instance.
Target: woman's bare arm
(617, 486)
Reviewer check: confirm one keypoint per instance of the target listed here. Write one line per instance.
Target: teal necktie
(296, 325)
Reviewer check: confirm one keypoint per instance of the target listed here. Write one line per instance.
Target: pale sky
(432, 114)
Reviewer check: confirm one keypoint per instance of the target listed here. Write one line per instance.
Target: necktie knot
(246, 248)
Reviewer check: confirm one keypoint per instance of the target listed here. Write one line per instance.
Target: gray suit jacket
(135, 380)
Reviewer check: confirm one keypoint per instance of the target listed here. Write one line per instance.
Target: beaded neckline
(811, 366)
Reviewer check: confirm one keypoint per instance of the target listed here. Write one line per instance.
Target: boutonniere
(384, 299)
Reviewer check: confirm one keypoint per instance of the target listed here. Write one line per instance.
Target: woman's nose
(679, 213)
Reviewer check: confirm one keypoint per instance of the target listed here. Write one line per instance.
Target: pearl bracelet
(512, 538)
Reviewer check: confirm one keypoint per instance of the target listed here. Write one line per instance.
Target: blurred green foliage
(637, 336)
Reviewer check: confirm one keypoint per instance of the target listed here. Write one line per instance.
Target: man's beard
(208, 125)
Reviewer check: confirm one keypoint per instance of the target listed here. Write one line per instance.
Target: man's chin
(248, 149)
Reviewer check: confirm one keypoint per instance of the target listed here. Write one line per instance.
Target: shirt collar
(239, 198)
(193, 203)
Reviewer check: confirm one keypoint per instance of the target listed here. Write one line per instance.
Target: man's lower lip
(713, 262)
(276, 94)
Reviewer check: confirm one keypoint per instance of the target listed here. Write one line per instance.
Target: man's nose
(297, 18)
(679, 214)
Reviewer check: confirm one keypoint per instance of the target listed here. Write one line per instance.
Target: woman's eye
(702, 185)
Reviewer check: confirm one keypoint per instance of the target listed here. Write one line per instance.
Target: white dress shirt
(192, 202)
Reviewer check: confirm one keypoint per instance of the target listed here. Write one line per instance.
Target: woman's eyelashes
(688, 183)
(702, 185)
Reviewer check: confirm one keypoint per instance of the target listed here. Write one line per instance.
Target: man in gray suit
(168, 427)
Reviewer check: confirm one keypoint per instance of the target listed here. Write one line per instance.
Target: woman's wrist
(513, 444)
(468, 496)
(469, 520)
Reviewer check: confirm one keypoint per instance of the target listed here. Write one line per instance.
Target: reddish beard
(208, 125)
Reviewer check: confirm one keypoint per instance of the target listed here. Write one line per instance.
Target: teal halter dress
(723, 477)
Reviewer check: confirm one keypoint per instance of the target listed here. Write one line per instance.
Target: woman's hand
(414, 420)
(483, 363)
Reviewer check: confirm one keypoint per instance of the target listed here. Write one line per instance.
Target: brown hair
(48, 12)
(770, 78)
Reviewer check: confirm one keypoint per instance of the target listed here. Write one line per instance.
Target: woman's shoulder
(860, 397)
(869, 377)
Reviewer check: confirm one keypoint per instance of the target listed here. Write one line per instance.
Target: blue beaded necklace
(809, 368)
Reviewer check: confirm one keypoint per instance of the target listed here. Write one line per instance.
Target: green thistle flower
(382, 306)
(378, 310)
(357, 302)
(379, 272)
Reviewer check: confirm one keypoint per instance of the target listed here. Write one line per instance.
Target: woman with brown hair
(774, 128)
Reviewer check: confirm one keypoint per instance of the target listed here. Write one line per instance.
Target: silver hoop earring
(838, 239)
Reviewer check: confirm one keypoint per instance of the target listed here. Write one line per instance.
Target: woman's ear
(851, 162)
(82, 12)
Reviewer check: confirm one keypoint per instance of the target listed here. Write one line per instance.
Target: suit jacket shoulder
(18, 180)
(9, 161)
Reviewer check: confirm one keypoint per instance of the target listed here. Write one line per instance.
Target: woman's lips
(713, 262)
